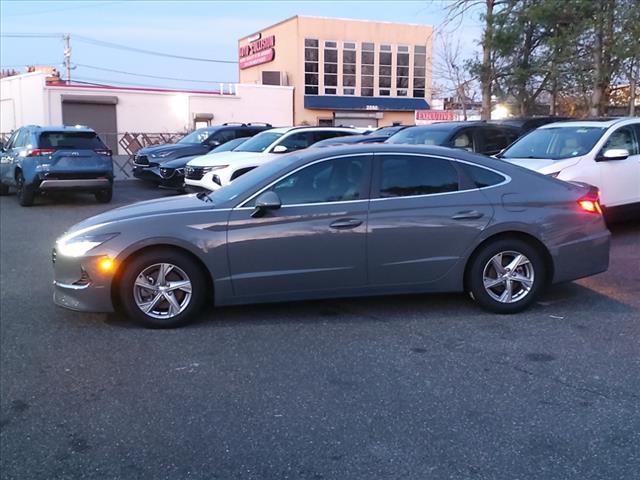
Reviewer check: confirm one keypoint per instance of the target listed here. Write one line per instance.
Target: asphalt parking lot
(403, 387)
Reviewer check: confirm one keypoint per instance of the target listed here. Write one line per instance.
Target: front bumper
(151, 174)
(172, 178)
(205, 183)
(581, 258)
(79, 284)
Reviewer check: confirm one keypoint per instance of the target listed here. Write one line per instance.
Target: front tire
(506, 276)
(104, 196)
(25, 193)
(162, 288)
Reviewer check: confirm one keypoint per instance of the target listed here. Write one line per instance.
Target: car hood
(158, 206)
(228, 158)
(178, 162)
(543, 165)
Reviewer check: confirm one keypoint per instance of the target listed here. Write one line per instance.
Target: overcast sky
(202, 29)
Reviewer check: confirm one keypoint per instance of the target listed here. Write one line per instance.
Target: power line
(149, 76)
(101, 43)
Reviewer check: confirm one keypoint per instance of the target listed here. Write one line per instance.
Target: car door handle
(346, 223)
(467, 215)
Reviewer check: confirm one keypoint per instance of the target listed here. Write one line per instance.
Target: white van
(604, 153)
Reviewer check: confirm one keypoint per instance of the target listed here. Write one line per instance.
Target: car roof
(598, 122)
(322, 129)
(460, 124)
(61, 128)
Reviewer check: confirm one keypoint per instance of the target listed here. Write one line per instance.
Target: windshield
(386, 131)
(555, 143)
(247, 181)
(198, 136)
(420, 136)
(228, 146)
(259, 143)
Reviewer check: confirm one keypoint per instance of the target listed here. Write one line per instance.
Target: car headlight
(554, 174)
(216, 167)
(78, 244)
(161, 154)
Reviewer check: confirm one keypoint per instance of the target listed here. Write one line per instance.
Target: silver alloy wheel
(162, 290)
(508, 276)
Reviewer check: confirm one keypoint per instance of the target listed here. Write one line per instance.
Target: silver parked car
(355, 220)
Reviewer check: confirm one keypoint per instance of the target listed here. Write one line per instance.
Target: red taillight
(103, 151)
(41, 152)
(590, 203)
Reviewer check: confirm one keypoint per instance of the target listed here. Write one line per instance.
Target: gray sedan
(347, 221)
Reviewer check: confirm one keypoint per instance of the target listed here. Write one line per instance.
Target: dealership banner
(257, 52)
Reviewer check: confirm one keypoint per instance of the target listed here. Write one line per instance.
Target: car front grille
(141, 160)
(194, 173)
(167, 172)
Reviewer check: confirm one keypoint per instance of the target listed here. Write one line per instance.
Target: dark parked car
(376, 136)
(479, 137)
(333, 222)
(172, 172)
(148, 160)
(38, 160)
(527, 124)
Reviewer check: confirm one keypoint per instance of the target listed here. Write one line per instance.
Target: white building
(121, 113)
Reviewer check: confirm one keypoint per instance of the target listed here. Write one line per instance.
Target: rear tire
(148, 290)
(25, 193)
(104, 196)
(506, 276)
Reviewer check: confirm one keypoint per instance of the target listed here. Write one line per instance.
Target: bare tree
(450, 67)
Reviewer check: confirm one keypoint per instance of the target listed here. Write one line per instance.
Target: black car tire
(104, 196)
(476, 275)
(4, 189)
(136, 266)
(25, 193)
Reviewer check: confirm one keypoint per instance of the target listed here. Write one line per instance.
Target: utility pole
(67, 55)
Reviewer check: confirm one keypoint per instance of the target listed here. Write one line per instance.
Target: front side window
(463, 140)
(298, 141)
(336, 180)
(222, 137)
(623, 138)
(555, 143)
(494, 140)
(409, 175)
(259, 143)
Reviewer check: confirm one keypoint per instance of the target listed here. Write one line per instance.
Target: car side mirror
(614, 154)
(280, 149)
(213, 143)
(266, 201)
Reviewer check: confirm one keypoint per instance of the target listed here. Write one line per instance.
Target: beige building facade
(344, 72)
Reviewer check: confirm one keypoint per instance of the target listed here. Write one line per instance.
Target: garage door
(99, 116)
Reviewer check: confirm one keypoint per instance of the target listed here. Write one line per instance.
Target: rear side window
(483, 177)
(298, 141)
(404, 175)
(71, 140)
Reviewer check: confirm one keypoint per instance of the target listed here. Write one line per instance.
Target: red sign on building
(257, 52)
(434, 115)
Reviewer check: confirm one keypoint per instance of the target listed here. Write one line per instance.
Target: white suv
(213, 171)
(604, 153)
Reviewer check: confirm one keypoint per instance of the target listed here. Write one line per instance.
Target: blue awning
(348, 102)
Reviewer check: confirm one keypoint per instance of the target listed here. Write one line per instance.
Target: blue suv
(39, 160)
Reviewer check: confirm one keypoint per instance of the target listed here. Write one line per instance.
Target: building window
(349, 68)
(402, 71)
(384, 71)
(419, 70)
(310, 66)
(330, 67)
(367, 61)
